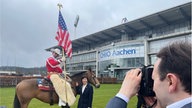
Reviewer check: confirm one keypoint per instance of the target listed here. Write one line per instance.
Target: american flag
(63, 36)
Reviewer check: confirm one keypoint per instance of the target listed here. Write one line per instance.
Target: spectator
(86, 94)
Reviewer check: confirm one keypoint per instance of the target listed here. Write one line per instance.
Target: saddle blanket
(44, 85)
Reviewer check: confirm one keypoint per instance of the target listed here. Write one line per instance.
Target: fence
(11, 81)
(107, 80)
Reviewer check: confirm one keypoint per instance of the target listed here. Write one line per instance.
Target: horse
(28, 89)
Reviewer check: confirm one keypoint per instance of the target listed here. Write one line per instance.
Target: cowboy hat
(56, 50)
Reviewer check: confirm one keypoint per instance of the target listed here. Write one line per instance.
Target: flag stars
(62, 23)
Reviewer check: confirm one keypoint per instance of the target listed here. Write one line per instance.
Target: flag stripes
(63, 36)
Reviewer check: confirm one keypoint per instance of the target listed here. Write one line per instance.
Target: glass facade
(163, 30)
(118, 59)
(84, 57)
(155, 46)
(82, 62)
(120, 65)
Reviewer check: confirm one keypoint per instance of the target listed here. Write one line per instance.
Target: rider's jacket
(53, 66)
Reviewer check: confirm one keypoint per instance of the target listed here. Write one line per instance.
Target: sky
(28, 27)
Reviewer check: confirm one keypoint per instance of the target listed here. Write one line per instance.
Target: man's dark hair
(176, 59)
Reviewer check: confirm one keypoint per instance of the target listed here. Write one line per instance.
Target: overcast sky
(28, 27)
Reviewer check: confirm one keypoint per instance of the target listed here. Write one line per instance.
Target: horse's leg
(24, 94)
(24, 103)
(19, 103)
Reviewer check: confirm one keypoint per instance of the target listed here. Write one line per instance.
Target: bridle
(97, 85)
(94, 78)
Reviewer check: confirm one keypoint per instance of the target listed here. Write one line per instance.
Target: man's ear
(172, 82)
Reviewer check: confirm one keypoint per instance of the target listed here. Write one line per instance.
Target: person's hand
(63, 59)
(77, 84)
(131, 83)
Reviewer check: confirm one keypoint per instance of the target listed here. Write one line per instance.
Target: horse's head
(92, 78)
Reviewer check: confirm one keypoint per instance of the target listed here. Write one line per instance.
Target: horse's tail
(16, 102)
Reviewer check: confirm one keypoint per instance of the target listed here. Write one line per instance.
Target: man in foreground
(172, 80)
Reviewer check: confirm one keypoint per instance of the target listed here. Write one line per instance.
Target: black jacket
(85, 99)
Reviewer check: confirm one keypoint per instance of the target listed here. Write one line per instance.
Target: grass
(100, 98)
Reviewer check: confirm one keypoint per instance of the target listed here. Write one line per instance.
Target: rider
(53, 63)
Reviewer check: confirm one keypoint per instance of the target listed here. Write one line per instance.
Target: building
(7, 73)
(114, 51)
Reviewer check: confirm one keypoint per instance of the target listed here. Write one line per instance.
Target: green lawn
(100, 98)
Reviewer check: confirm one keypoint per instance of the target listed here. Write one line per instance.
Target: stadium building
(114, 51)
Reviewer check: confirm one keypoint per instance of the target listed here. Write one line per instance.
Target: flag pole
(63, 52)
(64, 65)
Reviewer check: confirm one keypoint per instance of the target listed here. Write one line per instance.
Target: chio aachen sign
(121, 53)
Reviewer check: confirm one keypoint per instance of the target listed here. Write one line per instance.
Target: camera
(146, 85)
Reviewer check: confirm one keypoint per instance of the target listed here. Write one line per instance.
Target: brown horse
(28, 89)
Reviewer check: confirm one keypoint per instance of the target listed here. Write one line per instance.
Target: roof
(166, 17)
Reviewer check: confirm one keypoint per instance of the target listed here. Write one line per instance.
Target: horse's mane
(77, 74)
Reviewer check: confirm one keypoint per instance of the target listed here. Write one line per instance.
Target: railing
(107, 80)
(11, 81)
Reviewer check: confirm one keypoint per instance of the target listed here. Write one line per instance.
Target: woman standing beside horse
(86, 93)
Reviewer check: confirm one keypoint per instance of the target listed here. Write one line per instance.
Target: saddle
(45, 84)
